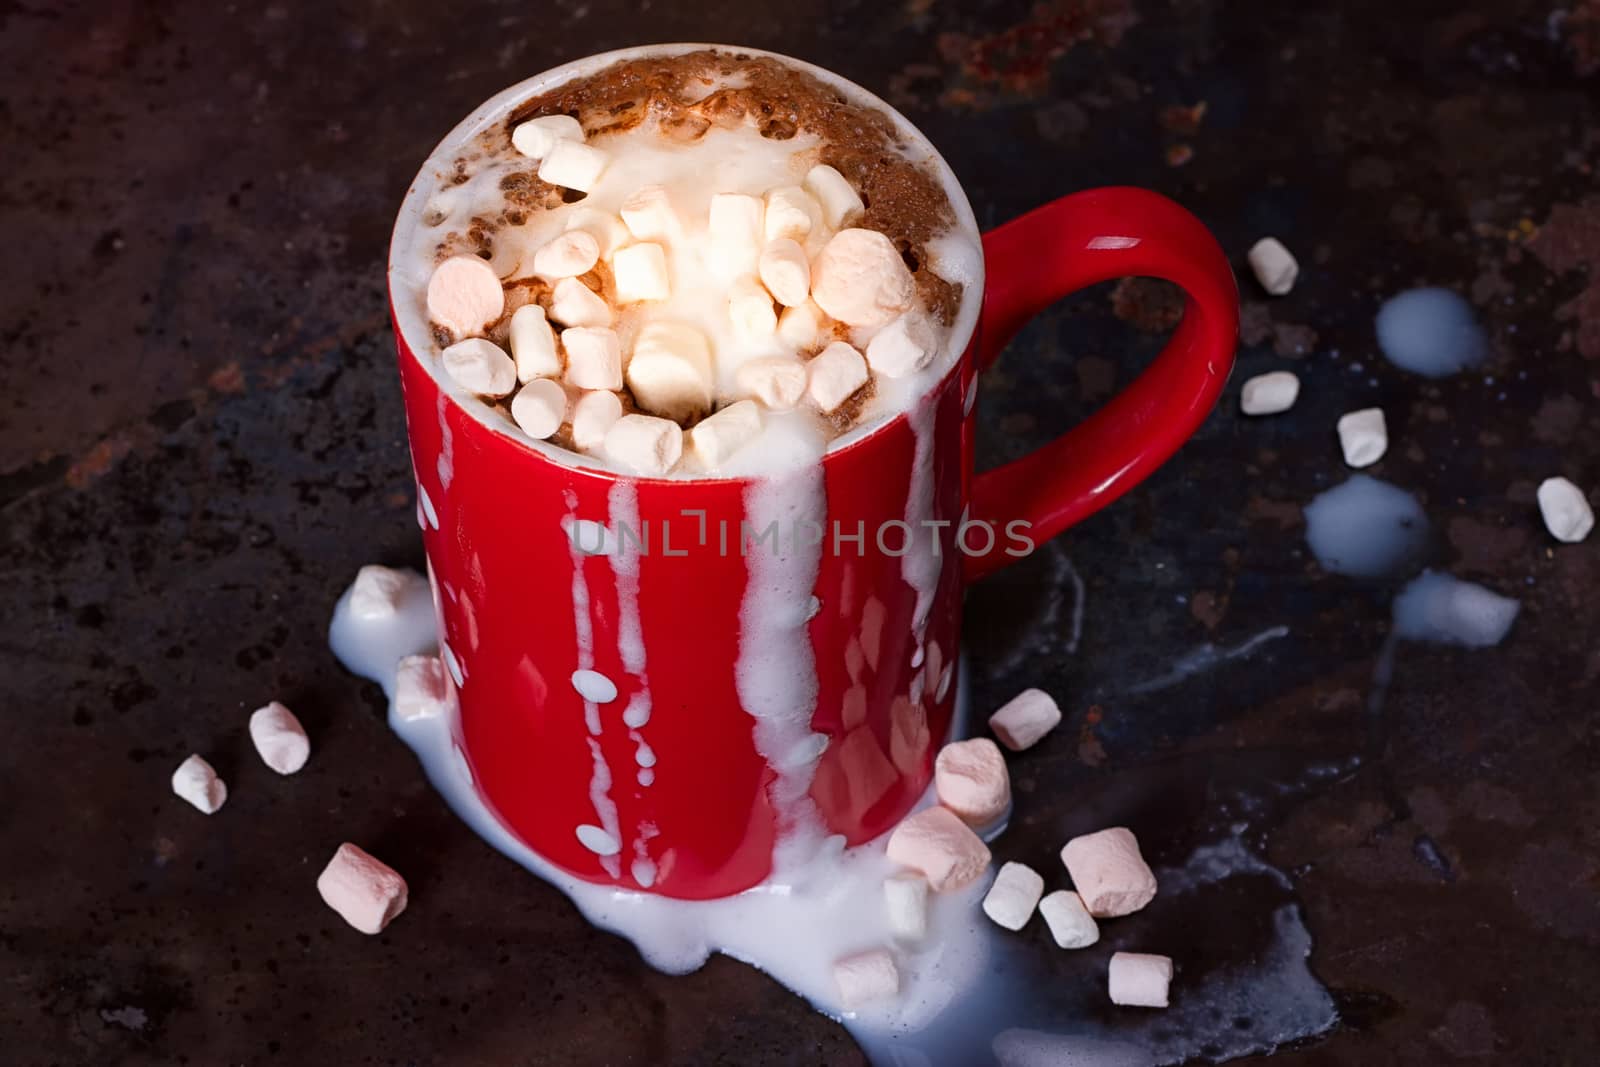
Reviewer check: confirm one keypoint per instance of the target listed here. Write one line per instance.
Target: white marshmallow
(1274, 267)
(799, 326)
(366, 892)
(834, 375)
(645, 443)
(1070, 923)
(536, 137)
(1140, 980)
(420, 688)
(750, 309)
(860, 279)
(1109, 873)
(572, 165)
(837, 198)
(670, 370)
(866, 977)
(279, 738)
(480, 367)
(786, 272)
(533, 344)
(777, 381)
(607, 230)
(1013, 896)
(592, 418)
(1363, 437)
(376, 592)
(903, 347)
(970, 779)
(791, 212)
(539, 408)
(1565, 510)
(1268, 394)
(567, 255)
(1024, 719)
(905, 897)
(718, 437)
(649, 215)
(734, 235)
(594, 357)
(196, 782)
(640, 272)
(573, 303)
(941, 846)
(464, 295)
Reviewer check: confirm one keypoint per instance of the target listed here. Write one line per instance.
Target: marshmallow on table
(377, 591)
(1024, 719)
(834, 376)
(649, 215)
(791, 212)
(420, 688)
(1363, 437)
(777, 381)
(1565, 510)
(1274, 267)
(836, 197)
(592, 418)
(480, 367)
(464, 295)
(718, 437)
(903, 347)
(1268, 394)
(279, 738)
(366, 892)
(567, 255)
(196, 781)
(750, 310)
(905, 898)
(733, 234)
(1140, 980)
(533, 344)
(645, 443)
(798, 326)
(786, 272)
(1109, 873)
(670, 370)
(572, 165)
(640, 273)
(937, 843)
(970, 779)
(865, 977)
(594, 357)
(607, 230)
(536, 137)
(1070, 923)
(1013, 896)
(860, 279)
(539, 408)
(573, 303)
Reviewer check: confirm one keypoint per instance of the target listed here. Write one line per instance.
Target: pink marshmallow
(1028, 716)
(865, 977)
(936, 842)
(971, 780)
(1140, 980)
(1109, 873)
(366, 892)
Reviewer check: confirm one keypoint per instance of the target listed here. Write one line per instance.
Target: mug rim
(409, 321)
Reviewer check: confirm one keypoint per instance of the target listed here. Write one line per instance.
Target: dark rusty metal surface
(202, 440)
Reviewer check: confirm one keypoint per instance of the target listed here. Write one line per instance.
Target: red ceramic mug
(677, 783)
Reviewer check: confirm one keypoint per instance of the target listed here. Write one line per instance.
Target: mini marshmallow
(573, 303)
(376, 592)
(791, 212)
(905, 898)
(750, 309)
(1363, 437)
(366, 892)
(567, 255)
(1109, 873)
(970, 779)
(1070, 923)
(860, 279)
(536, 137)
(1026, 718)
(1140, 980)
(1274, 267)
(865, 977)
(594, 357)
(480, 367)
(1268, 394)
(837, 198)
(573, 165)
(903, 347)
(834, 376)
(420, 688)
(799, 326)
(649, 215)
(645, 443)
(786, 272)
(734, 232)
(539, 408)
(670, 370)
(777, 381)
(1013, 896)
(607, 230)
(1565, 510)
(464, 295)
(640, 272)
(533, 344)
(196, 781)
(941, 846)
(279, 738)
(718, 437)
(592, 418)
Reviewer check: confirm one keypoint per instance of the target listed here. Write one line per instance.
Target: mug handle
(1054, 250)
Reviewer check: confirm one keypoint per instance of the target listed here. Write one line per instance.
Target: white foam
(1366, 528)
(1444, 610)
(1431, 332)
(922, 562)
